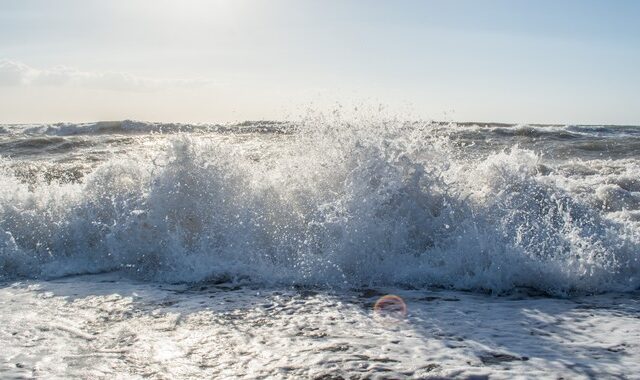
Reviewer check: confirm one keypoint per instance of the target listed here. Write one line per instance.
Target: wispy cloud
(13, 73)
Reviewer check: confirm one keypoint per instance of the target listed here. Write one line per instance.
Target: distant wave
(138, 127)
(141, 127)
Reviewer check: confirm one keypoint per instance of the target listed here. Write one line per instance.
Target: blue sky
(209, 61)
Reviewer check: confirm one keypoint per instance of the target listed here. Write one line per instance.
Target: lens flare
(390, 306)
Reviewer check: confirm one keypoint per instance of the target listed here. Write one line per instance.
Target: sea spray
(329, 202)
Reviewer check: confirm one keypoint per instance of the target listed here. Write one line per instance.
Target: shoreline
(106, 325)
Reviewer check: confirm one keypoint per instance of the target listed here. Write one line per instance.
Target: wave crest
(334, 203)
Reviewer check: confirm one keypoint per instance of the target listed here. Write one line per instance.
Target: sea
(323, 248)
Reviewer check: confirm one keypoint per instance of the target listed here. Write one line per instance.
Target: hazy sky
(209, 61)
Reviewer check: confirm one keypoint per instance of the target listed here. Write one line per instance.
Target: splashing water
(325, 202)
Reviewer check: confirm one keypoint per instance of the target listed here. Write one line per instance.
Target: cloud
(14, 73)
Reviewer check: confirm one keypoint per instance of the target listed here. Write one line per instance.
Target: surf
(328, 203)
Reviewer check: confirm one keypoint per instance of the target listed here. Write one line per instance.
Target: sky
(519, 61)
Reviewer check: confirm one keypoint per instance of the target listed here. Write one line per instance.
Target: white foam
(336, 203)
(106, 326)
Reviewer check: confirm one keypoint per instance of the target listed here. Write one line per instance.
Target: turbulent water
(325, 202)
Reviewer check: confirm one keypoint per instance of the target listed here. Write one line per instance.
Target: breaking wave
(329, 203)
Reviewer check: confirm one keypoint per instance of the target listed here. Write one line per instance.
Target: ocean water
(512, 216)
(325, 202)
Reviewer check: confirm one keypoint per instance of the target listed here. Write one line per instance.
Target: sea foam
(329, 203)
